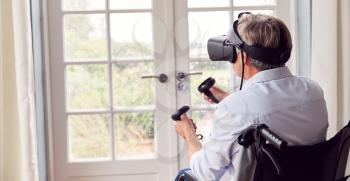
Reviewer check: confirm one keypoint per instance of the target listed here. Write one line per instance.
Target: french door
(115, 79)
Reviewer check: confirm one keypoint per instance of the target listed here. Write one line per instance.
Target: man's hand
(218, 93)
(185, 127)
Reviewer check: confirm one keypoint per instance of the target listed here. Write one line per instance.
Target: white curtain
(18, 148)
(1, 102)
(331, 58)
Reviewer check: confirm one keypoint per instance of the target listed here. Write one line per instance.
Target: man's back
(293, 107)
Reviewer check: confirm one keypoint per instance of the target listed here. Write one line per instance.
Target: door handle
(181, 76)
(161, 77)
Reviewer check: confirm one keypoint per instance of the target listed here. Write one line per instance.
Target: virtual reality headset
(223, 48)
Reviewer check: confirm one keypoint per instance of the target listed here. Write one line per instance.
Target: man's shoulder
(310, 86)
(269, 96)
(234, 99)
(236, 103)
(310, 82)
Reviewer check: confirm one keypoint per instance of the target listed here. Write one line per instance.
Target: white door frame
(167, 161)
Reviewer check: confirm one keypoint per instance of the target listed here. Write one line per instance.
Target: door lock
(181, 77)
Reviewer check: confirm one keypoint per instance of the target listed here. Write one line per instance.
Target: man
(293, 107)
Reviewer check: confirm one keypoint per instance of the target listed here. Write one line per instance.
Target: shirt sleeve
(211, 162)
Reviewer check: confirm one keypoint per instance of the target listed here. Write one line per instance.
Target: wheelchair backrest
(344, 152)
(325, 161)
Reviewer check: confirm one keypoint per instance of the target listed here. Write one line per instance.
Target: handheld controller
(176, 117)
(205, 86)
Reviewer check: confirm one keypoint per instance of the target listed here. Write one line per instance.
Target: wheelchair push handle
(205, 86)
(272, 138)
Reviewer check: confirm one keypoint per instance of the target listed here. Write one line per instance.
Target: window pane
(220, 71)
(203, 119)
(80, 5)
(89, 138)
(134, 135)
(85, 37)
(253, 2)
(265, 12)
(132, 36)
(130, 4)
(204, 25)
(87, 86)
(207, 3)
(128, 87)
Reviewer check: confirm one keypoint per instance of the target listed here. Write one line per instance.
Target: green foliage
(128, 87)
(134, 134)
(128, 50)
(75, 4)
(89, 137)
(83, 40)
(88, 88)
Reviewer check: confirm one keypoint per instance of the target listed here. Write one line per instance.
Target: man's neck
(250, 72)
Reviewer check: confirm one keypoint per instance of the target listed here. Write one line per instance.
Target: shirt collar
(267, 75)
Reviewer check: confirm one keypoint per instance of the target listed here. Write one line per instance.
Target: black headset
(223, 48)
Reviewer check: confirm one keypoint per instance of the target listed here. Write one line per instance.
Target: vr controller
(202, 88)
(205, 86)
(176, 117)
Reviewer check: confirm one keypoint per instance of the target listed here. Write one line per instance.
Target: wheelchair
(276, 161)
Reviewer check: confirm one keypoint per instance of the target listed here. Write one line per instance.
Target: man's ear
(246, 59)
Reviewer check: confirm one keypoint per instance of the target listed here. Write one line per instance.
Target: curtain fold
(1, 102)
(19, 145)
(330, 65)
(330, 57)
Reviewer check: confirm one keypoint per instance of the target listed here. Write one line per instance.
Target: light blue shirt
(293, 107)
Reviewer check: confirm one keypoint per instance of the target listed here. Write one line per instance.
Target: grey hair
(263, 30)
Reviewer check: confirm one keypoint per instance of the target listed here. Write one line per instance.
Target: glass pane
(128, 87)
(220, 71)
(89, 138)
(204, 25)
(130, 4)
(134, 134)
(85, 37)
(132, 40)
(203, 120)
(87, 86)
(265, 12)
(254, 2)
(207, 3)
(81, 5)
